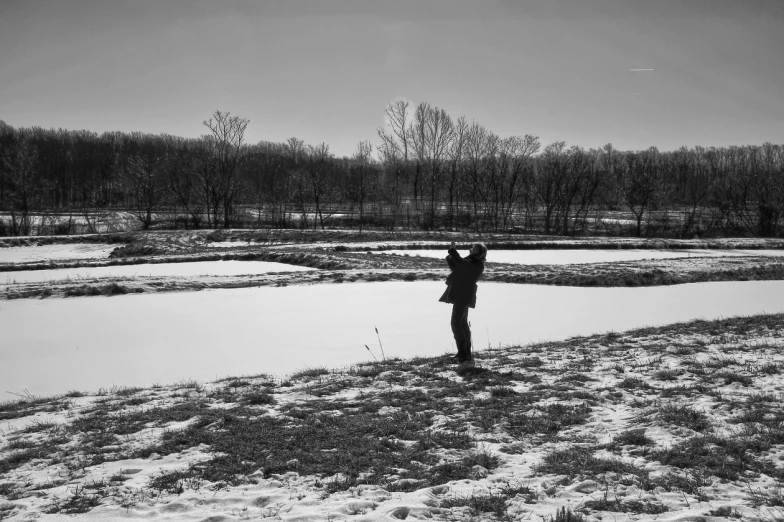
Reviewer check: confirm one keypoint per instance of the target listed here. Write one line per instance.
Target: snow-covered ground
(579, 256)
(187, 269)
(229, 244)
(54, 345)
(74, 251)
(645, 423)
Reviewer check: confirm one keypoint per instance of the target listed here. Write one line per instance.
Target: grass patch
(352, 445)
(682, 415)
(626, 506)
(732, 376)
(258, 398)
(578, 461)
(547, 420)
(634, 383)
(727, 458)
(494, 501)
(529, 362)
(666, 375)
(309, 373)
(77, 502)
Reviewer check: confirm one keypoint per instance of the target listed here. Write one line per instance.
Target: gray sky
(324, 70)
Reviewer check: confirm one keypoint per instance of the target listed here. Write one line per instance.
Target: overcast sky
(325, 70)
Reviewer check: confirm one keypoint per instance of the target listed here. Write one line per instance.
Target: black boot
(464, 352)
(467, 350)
(459, 351)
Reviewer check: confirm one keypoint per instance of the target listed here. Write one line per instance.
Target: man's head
(479, 251)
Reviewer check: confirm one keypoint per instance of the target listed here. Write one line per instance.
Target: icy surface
(209, 268)
(55, 345)
(567, 257)
(29, 254)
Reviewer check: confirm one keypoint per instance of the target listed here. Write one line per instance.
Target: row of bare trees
(427, 170)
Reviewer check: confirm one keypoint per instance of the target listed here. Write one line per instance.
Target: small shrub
(567, 516)
(502, 391)
(685, 416)
(127, 391)
(114, 289)
(482, 503)
(529, 362)
(258, 398)
(136, 250)
(632, 383)
(309, 373)
(666, 375)
(78, 291)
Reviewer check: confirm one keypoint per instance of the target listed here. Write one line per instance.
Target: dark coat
(461, 283)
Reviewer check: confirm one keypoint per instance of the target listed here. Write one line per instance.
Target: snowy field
(75, 251)
(567, 257)
(55, 345)
(189, 269)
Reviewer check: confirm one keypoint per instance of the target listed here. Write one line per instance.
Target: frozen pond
(55, 345)
(577, 256)
(209, 268)
(29, 254)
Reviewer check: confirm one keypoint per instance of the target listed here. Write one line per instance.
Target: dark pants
(460, 328)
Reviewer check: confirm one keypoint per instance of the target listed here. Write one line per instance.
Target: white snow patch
(189, 269)
(74, 251)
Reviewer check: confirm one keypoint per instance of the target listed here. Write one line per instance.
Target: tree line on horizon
(426, 171)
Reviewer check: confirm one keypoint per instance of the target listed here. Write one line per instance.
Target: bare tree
(23, 185)
(552, 169)
(361, 162)
(691, 184)
(455, 155)
(320, 182)
(476, 149)
(767, 173)
(515, 168)
(578, 187)
(182, 181)
(641, 183)
(224, 151)
(391, 158)
(433, 131)
(394, 152)
(143, 177)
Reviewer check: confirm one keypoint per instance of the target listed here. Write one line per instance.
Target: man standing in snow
(461, 294)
